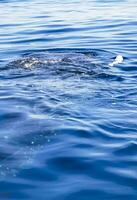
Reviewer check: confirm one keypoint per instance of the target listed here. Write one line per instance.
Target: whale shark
(74, 63)
(63, 64)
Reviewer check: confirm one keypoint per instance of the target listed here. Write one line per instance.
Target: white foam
(119, 59)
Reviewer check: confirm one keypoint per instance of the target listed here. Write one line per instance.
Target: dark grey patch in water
(62, 64)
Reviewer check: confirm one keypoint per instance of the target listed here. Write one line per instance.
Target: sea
(68, 100)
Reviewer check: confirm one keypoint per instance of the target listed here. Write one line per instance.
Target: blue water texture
(68, 106)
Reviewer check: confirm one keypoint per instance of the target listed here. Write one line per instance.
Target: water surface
(68, 118)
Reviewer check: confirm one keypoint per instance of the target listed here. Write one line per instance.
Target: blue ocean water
(68, 109)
